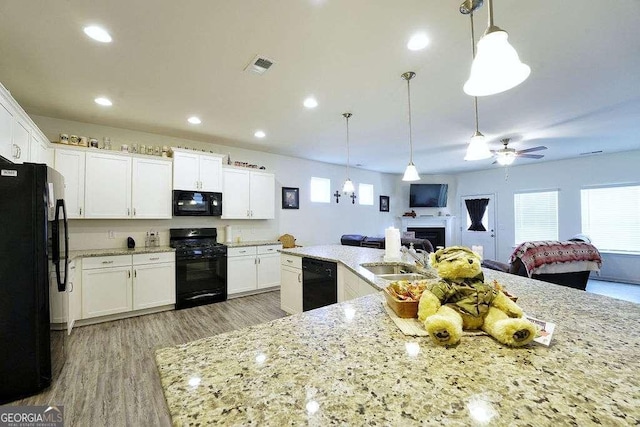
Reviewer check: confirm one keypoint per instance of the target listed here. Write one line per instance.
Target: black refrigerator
(33, 229)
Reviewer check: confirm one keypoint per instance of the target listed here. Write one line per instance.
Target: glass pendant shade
(496, 67)
(348, 186)
(411, 173)
(505, 159)
(478, 149)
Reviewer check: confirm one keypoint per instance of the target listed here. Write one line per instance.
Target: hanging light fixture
(478, 149)
(497, 67)
(348, 185)
(410, 173)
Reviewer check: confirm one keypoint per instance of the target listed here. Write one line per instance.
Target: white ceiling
(171, 59)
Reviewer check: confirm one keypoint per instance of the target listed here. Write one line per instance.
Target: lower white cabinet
(351, 286)
(250, 268)
(291, 283)
(74, 292)
(123, 283)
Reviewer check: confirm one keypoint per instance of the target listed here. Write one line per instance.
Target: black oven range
(201, 266)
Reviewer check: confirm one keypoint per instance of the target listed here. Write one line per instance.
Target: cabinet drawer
(268, 249)
(106, 261)
(291, 260)
(154, 258)
(242, 251)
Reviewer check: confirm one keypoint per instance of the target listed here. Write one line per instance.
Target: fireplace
(436, 235)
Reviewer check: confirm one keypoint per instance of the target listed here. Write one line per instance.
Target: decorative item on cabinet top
(105, 144)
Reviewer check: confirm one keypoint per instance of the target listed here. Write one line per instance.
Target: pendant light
(410, 173)
(348, 185)
(497, 67)
(477, 149)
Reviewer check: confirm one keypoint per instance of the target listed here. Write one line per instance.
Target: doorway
(481, 232)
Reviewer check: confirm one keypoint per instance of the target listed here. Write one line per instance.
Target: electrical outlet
(112, 234)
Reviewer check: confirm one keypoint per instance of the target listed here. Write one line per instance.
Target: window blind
(536, 216)
(611, 217)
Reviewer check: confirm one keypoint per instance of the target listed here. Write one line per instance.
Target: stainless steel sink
(387, 269)
(405, 276)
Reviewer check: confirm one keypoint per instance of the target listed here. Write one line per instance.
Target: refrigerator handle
(56, 244)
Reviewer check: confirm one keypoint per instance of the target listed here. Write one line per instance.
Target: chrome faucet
(422, 261)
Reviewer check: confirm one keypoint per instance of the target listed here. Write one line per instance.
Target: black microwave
(196, 203)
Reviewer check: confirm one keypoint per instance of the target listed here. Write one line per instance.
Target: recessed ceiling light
(418, 41)
(194, 120)
(105, 102)
(259, 134)
(310, 102)
(98, 34)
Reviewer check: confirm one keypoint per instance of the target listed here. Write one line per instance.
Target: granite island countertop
(349, 364)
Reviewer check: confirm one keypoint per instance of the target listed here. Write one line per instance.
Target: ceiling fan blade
(531, 156)
(529, 150)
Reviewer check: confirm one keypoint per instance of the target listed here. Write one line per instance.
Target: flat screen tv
(428, 195)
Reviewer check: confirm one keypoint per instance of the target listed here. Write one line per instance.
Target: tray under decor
(403, 309)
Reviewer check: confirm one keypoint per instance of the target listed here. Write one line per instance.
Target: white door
(108, 186)
(154, 285)
(241, 274)
(186, 174)
(486, 240)
(268, 270)
(70, 163)
(291, 290)
(106, 291)
(6, 126)
(151, 188)
(262, 196)
(235, 194)
(210, 173)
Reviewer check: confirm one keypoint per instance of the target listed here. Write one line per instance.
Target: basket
(403, 309)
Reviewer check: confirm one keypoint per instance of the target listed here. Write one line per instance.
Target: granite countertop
(252, 243)
(85, 253)
(349, 364)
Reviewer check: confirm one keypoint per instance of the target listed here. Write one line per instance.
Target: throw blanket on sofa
(549, 257)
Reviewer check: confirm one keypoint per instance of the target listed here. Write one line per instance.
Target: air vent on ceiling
(259, 65)
(588, 153)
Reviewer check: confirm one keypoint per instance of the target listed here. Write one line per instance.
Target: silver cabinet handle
(128, 212)
(289, 261)
(241, 252)
(15, 151)
(248, 212)
(258, 260)
(134, 211)
(70, 286)
(299, 277)
(251, 213)
(255, 260)
(107, 262)
(135, 273)
(155, 258)
(80, 211)
(129, 274)
(19, 151)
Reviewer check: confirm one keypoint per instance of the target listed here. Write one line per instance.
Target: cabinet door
(57, 302)
(20, 141)
(210, 173)
(241, 274)
(262, 195)
(186, 171)
(291, 290)
(39, 151)
(108, 186)
(154, 285)
(74, 292)
(268, 270)
(106, 291)
(6, 130)
(235, 194)
(151, 188)
(70, 163)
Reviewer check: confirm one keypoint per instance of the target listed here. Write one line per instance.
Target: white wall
(312, 224)
(567, 176)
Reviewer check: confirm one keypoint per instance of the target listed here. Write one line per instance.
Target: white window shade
(536, 216)
(611, 217)
(365, 194)
(320, 190)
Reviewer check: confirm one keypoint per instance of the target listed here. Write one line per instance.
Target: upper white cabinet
(71, 164)
(151, 188)
(20, 141)
(193, 171)
(6, 131)
(248, 194)
(108, 186)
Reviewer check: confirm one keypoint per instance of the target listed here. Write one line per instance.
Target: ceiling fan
(505, 156)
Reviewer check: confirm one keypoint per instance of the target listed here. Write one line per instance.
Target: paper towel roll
(392, 244)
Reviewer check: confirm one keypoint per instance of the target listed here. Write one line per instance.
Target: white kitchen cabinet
(107, 186)
(151, 188)
(351, 286)
(248, 194)
(154, 280)
(6, 130)
(197, 172)
(106, 286)
(250, 268)
(291, 284)
(71, 164)
(74, 294)
(57, 301)
(20, 141)
(39, 151)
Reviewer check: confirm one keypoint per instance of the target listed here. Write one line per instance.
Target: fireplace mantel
(445, 222)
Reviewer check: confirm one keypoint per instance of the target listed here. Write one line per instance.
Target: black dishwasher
(319, 283)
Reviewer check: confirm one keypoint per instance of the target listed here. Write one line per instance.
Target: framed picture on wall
(290, 198)
(384, 203)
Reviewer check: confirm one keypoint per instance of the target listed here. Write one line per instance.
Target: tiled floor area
(623, 291)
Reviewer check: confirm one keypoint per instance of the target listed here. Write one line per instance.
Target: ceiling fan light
(348, 186)
(411, 173)
(496, 67)
(477, 149)
(505, 159)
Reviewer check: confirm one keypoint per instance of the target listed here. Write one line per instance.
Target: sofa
(379, 243)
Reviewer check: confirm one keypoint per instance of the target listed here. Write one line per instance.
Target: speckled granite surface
(118, 251)
(252, 243)
(349, 364)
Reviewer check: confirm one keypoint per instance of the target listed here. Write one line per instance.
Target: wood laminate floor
(110, 377)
